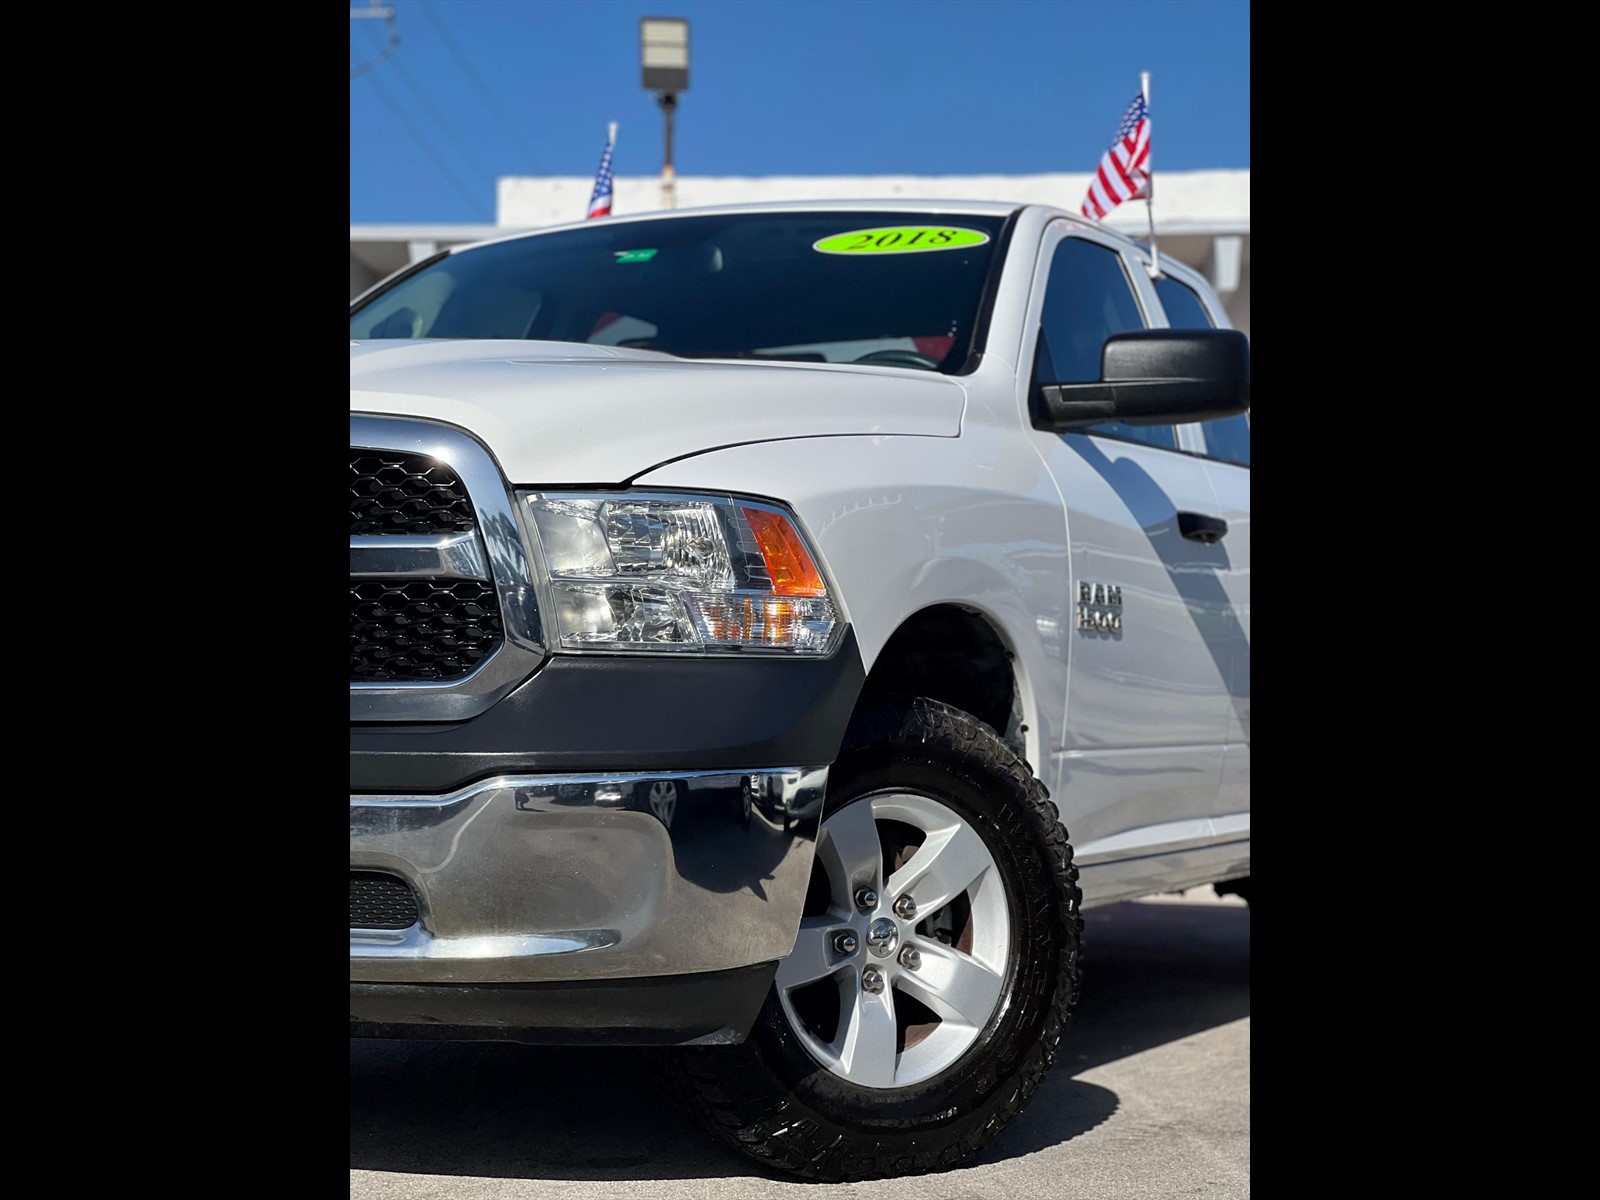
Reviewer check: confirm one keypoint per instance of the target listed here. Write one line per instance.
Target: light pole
(664, 56)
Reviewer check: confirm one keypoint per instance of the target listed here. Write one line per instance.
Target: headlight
(686, 573)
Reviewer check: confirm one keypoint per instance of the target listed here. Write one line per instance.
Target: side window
(1087, 298)
(1229, 437)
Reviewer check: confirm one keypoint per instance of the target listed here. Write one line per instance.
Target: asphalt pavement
(1149, 1098)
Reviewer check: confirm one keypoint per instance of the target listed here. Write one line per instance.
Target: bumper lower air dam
(712, 1008)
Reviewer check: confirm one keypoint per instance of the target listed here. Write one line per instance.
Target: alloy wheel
(901, 958)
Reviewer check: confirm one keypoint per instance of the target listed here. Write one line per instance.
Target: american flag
(1124, 171)
(600, 202)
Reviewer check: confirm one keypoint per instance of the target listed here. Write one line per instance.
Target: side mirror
(1155, 377)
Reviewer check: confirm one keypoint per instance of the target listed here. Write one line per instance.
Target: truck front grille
(392, 492)
(424, 626)
(444, 622)
(410, 629)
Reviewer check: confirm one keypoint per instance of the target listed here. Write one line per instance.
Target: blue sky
(819, 87)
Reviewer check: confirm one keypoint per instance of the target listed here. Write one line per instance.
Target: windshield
(890, 289)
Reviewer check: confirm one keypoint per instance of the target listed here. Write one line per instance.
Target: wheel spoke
(851, 853)
(868, 1041)
(943, 867)
(955, 985)
(812, 957)
(961, 988)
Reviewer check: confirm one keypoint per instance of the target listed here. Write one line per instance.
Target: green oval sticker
(900, 239)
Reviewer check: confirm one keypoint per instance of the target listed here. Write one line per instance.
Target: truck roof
(986, 208)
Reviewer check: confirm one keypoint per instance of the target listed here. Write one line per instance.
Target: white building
(1202, 217)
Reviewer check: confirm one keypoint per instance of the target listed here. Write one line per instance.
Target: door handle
(1198, 527)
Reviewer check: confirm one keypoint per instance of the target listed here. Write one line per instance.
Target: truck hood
(562, 412)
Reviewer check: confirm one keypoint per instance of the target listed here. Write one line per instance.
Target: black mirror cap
(1155, 377)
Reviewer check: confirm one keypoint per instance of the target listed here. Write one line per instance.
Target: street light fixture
(664, 56)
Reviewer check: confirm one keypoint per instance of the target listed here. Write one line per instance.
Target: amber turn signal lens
(793, 573)
(750, 620)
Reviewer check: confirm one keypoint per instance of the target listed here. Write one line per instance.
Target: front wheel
(934, 970)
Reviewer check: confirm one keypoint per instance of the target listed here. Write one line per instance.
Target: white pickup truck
(744, 603)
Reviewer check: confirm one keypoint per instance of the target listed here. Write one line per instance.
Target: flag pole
(1150, 186)
(611, 148)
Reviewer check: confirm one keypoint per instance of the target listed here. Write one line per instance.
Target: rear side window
(1183, 306)
(1229, 437)
(1088, 297)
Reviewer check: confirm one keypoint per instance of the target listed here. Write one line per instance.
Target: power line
(472, 74)
(416, 136)
(438, 118)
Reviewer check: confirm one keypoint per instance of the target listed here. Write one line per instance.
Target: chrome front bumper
(524, 879)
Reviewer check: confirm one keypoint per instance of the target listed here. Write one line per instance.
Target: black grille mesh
(381, 902)
(391, 492)
(408, 629)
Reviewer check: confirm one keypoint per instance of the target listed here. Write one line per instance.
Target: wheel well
(953, 655)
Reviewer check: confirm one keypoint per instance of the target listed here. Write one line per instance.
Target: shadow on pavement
(1154, 973)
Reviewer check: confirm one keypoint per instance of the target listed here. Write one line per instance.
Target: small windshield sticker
(900, 239)
(634, 255)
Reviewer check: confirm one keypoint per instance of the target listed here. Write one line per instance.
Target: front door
(1148, 700)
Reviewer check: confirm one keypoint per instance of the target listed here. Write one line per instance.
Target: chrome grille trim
(448, 556)
(508, 568)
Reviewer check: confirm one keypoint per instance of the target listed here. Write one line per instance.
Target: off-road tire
(769, 1099)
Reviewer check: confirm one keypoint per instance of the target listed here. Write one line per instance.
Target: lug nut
(905, 908)
(844, 943)
(872, 980)
(866, 899)
(911, 958)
